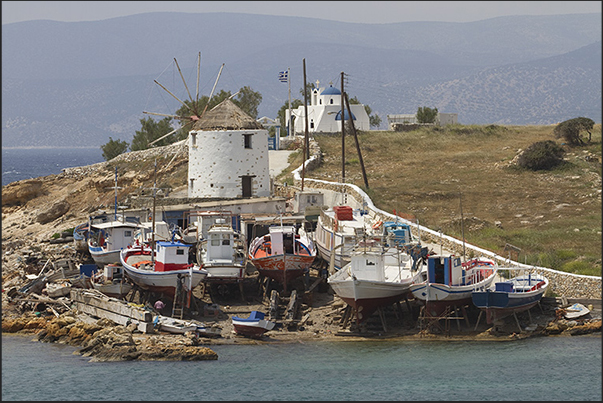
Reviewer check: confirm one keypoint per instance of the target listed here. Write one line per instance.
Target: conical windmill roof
(226, 116)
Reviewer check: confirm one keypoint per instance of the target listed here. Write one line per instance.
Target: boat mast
(153, 218)
(462, 225)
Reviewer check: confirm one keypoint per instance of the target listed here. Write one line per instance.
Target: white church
(228, 155)
(324, 113)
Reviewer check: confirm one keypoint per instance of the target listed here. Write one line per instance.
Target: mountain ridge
(81, 83)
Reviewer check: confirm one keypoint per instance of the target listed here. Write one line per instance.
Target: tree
(151, 131)
(541, 155)
(374, 120)
(114, 148)
(426, 115)
(570, 130)
(249, 101)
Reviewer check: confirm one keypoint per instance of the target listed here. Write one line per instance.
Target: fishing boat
(253, 326)
(107, 240)
(517, 294)
(282, 254)
(449, 283)
(162, 269)
(173, 325)
(376, 276)
(111, 281)
(338, 229)
(222, 252)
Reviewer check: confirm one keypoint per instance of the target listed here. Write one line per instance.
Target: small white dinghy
(575, 311)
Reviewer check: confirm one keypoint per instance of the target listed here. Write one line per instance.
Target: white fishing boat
(222, 252)
(163, 269)
(376, 276)
(448, 283)
(107, 240)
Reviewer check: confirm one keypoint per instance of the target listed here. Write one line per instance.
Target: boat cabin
(368, 266)
(282, 240)
(171, 256)
(445, 270)
(220, 244)
(114, 235)
(399, 232)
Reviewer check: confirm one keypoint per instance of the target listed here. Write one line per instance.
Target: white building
(324, 113)
(228, 155)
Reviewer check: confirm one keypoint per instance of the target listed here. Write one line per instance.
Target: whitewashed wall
(218, 159)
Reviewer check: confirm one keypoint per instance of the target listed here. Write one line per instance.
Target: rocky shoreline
(54, 321)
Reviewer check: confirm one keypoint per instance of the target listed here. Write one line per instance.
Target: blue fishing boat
(508, 297)
(253, 326)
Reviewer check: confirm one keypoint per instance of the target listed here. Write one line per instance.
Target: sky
(349, 11)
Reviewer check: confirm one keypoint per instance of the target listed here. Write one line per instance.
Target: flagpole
(289, 82)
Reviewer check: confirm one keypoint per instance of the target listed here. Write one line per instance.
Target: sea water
(27, 163)
(548, 368)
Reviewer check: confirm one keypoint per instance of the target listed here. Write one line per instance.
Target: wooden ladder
(178, 305)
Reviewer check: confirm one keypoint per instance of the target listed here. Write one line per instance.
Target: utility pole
(342, 133)
(347, 102)
(305, 148)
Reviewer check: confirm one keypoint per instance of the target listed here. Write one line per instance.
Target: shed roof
(226, 116)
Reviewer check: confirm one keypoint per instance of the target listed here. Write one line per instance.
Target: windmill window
(312, 124)
(194, 139)
(247, 140)
(331, 101)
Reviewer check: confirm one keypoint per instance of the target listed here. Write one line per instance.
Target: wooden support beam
(293, 306)
(274, 297)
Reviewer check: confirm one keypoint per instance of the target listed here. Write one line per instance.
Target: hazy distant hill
(79, 83)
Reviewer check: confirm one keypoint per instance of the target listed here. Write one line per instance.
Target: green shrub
(542, 155)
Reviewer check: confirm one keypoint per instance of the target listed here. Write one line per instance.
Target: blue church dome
(331, 91)
(345, 115)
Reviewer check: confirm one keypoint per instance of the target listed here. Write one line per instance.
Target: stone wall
(560, 283)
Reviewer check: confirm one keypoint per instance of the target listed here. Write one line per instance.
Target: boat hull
(224, 273)
(438, 297)
(498, 304)
(283, 268)
(252, 329)
(115, 289)
(164, 282)
(368, 296)
(103, 257)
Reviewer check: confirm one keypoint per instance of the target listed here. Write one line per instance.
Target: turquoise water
(549, 368)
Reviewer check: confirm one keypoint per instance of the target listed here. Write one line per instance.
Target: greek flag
(283, 76)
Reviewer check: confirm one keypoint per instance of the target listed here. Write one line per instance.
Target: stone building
(228, 155)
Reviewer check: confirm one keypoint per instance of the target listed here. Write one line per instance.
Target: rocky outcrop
(55, 211)
(104, 340)
(19, 193)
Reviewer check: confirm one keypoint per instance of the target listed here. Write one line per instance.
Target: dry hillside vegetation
(553, 216)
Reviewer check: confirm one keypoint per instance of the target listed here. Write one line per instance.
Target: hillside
(554, 217)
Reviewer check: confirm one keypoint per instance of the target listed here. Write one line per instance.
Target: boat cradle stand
(427, 321)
